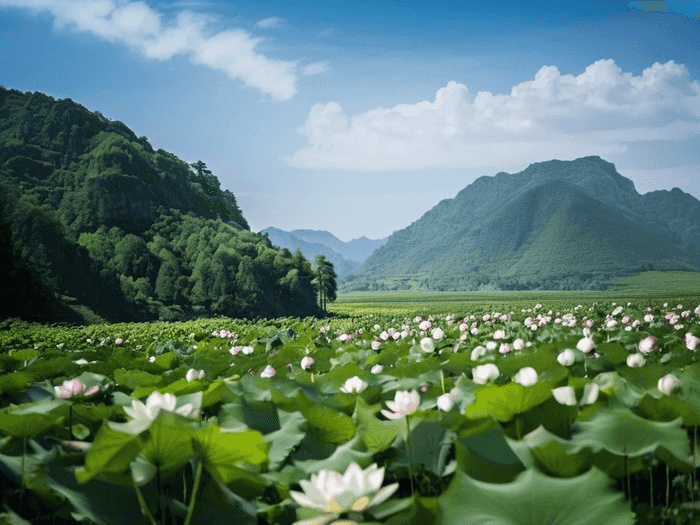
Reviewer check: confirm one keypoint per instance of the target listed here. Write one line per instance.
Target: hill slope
(554, 225)
(95, 214)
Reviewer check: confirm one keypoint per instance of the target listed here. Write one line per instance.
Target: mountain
(93, 218)
(345, 256)
(557, 225)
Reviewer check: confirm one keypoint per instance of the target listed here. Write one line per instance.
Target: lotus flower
(565, 395)
(438, 333)
(483, 373)
(193, 375)
(667, 383)
(567, 357)
(144, 414)
(353, 384)
(377, 369)
(647, 345)
(307, 362)
(268, 372)
(635, 360)
(445, 402)
(405, 403)
(336, 493)
(526, 376)
(585, 344)
(427, 345)
(69, 389)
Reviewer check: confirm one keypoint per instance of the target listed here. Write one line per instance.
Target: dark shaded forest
(96, 224)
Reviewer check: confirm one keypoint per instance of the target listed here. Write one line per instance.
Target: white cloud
(269, 23)
(143, 29)
(687, 9)
(599, 112)
(315, 68)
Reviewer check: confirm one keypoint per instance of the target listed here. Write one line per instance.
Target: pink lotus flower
(648, 344)
(667, 383)
(518, 344)
(69, 389)
(268, 372)
(306, 362)
(692, 342)
(635, 360)
(648, 318)
(499, 334)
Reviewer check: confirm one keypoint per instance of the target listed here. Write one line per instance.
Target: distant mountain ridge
(345, 256)
(557, 224)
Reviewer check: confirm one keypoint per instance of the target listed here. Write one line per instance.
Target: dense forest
(93, 220)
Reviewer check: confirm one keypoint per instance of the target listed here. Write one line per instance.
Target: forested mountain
(555, 225)
(345, 256)
(90, 213)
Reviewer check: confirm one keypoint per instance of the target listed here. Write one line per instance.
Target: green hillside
(557, 225)
(92, 215)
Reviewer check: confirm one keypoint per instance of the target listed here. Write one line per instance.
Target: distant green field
(646, 285)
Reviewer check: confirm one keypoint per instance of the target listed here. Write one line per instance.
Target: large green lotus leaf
(667, 408)
(613, 353)
(552, 459)
(168, 447)
(167, 361)
(339, 374)
(485, 454)
(534, 499)
(216, 503)
(224, 452)
(111, 452)
(645, 377)
(618, 466)
(325, 423)
(690, 392)
(283, 441)
(377, 435)
(231, 417)
(136, 378)
(622, 432)
(354, 450)
(432, 377)
(251, 387)
(615, 386)
(11, 518)
(431, 444)
(505, 401)
(177, 388)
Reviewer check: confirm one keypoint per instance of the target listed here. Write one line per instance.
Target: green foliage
(91, 216)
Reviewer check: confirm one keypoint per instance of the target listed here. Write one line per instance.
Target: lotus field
(572, 416)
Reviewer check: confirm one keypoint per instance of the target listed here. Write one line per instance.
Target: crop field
(524, 408)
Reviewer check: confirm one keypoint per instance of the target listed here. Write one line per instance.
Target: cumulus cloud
(687, 9)
(145, 30)
(599, 112)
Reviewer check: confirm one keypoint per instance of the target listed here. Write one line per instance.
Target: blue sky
(358, 117)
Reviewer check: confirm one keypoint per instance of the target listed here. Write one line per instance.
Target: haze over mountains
(345, 256)
(555, 225)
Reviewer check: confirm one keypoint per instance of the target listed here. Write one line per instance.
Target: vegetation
(325, 281)
(545, 414)
(557, 225)
(96, 224)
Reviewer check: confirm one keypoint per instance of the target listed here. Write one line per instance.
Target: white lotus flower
(144, 414)
(567, 357)
(635, 360)
(445, 402)
(438, 333)
(268, 372)
(306, 362)
(526, 376)
(376, 345)
(427, 344)
(586, 344)
(478, 352)
(353, 384)
(335, 493)
(377, 369)
(667, 383)
(483, 373)
(565, 395)
(518, 344)
(194, 375)
(404, 404)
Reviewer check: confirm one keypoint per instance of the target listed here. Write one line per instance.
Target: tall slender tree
(325, 281)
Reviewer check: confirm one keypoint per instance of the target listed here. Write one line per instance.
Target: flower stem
(193, 499)
(142, 503)
(668, 485)
(410, 455)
